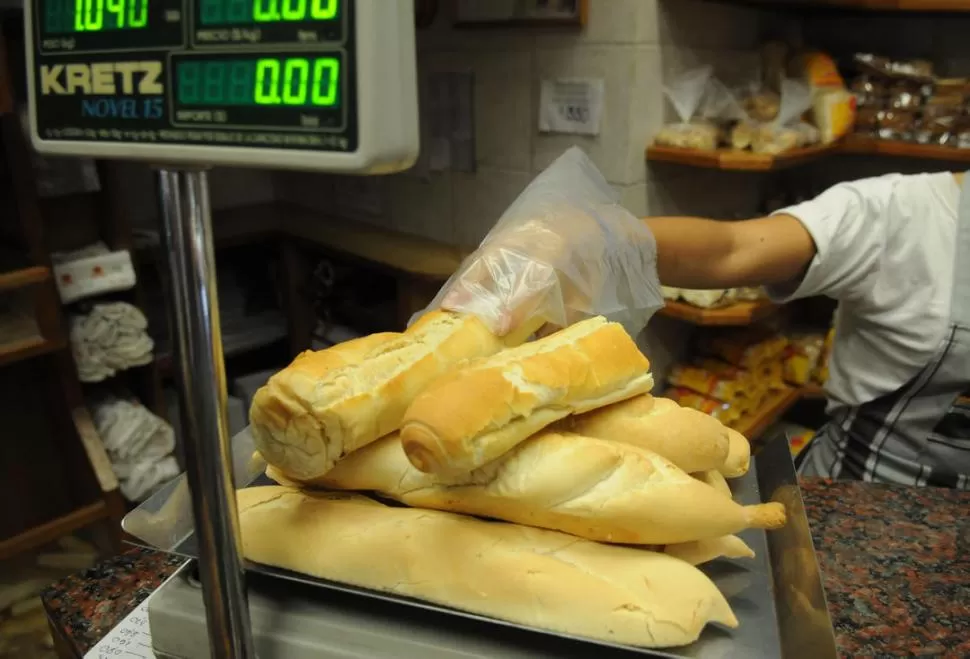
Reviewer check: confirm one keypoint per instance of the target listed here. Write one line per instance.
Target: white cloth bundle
(111, 338)
(139, 445)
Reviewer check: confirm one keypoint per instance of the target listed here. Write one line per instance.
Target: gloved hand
(563, 251)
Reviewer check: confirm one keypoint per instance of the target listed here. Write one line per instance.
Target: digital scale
(326, 85)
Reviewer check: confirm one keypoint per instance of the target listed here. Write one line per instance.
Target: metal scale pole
(186, 218)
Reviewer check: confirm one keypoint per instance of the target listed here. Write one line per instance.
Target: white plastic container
(94, 275)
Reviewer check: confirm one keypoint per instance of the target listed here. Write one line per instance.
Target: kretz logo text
(117, 83)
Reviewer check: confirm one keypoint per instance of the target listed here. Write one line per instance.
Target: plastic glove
(563, 251)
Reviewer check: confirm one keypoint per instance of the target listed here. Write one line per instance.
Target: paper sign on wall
(571, 105)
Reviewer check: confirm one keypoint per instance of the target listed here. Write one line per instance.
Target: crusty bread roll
(705, 551)
(591, 488)
(472, 416)
(690, 439)
(739, 455)
(529, 576)
(328, 403)
(715, 479)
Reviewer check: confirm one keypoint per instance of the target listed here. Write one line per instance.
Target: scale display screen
(272, 73)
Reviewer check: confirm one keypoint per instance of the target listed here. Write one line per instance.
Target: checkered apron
(919, 434)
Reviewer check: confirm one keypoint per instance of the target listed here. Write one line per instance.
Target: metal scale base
(776, 596)
(296, 621)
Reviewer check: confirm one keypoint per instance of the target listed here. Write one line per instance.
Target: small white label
(571, 105)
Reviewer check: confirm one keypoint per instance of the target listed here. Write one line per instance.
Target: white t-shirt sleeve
(848, 224)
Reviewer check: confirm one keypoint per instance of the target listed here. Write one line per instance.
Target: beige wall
(618, 45)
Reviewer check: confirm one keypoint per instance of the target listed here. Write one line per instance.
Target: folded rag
(138, 443)
(112, 337)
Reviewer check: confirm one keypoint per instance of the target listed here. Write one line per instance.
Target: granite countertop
(895, 563)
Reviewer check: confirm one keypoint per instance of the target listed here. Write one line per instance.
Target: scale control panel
(316, 84)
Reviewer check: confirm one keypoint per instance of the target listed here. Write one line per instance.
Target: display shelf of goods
(738, 313)
(735, 160)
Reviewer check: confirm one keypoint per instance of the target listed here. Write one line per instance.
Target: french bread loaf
(528, 576)
(739, 455)
(591, 488)
(705, 551)
(690, 439)
(331, 402)
(715, 479)
(471, 417)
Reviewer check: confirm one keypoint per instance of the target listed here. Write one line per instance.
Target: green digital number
(293, 81)
(89, 15)
(326, 75)
(295, 77)
(267, 82)
(265, 11)
(294, 10)
(138, 13)
(117, 7)
(323, 10)
(93, 15)
(189, 79)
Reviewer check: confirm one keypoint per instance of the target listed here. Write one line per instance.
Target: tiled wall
(619, 45)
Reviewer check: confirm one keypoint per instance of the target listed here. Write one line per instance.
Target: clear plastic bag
(786, 132)
(685, 94)
(563, 251)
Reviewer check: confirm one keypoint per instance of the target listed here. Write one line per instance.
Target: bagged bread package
(786, 131)
(692, 131)
(564, 251)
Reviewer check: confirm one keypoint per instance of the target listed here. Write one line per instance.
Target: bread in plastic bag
(786, 132)
(693, 131)
(564, 250)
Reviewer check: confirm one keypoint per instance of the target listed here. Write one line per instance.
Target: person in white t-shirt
(895, 252)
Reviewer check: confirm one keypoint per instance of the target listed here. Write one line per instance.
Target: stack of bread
(605, 496)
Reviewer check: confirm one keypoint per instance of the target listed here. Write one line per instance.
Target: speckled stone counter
(895, 563)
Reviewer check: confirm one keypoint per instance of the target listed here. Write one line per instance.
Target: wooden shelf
(24, 277)
(753, 425)
(739, 161)
(742, 161)
(911, 6)
(45, 533)
(19, 349)
(871, 146)
(739, 313)
(383, 247)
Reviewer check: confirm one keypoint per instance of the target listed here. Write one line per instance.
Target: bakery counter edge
(895, 564)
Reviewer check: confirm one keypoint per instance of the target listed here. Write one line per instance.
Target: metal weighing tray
(777, 596)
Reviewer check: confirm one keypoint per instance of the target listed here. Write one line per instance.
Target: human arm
(830, 245)
(704, 254)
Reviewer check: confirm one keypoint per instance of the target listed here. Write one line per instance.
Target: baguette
(471, 417)
(739, 455)
(705, 551)
(690, 439)
(329, 403)
(591, 488)
(715, 479)
(528, 576)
